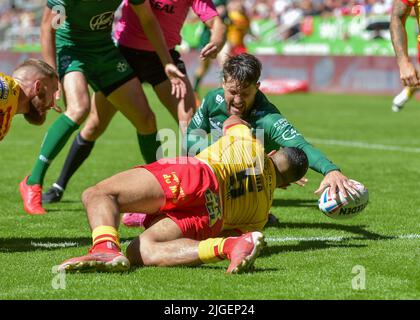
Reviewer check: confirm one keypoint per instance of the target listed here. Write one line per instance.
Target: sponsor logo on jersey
(213, 207)
(102, 21)
(219, 99)
(279, 125)
(159, 5)
(198, 118)
(4, 89)
(290, 134)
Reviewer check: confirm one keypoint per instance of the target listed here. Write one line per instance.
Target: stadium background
(333, 45)
(351, 75)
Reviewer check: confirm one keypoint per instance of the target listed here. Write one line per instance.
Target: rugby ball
(342, 207)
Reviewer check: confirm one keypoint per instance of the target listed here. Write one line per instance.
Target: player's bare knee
(88, 194)
(146, 122)
(148, 253)
(150, 119)
(92, 130)
(78, 113)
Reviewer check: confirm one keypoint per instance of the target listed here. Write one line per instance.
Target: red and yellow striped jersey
(9, 94)
(246, 177)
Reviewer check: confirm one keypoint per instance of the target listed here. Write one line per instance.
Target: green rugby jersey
(277, 131)
(88, 23)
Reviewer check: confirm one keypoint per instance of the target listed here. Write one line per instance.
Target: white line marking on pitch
(364, 145)
(50, 245)
(54, 245)
(343, 143)
(338, 239)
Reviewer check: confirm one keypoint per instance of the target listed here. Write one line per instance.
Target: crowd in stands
(19, 19)
(276, 9)
(290, 14)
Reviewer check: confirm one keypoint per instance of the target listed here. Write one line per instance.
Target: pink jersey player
(171, 15)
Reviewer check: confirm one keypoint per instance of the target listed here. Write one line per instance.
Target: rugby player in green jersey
(76, 39)
(242, 97)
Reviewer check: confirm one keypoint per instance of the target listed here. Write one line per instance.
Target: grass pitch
(309, 256)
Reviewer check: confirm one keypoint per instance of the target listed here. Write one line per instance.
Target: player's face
(239, 99)
(44, 98)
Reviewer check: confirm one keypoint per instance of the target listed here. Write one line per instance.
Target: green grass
(315, 267)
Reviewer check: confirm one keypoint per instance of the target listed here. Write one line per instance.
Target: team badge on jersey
(122, 66)
(65, 62)
(4, 89)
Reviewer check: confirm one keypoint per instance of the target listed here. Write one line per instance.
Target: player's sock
(55, 139)
(211, 250)
(409, 91)
(105, 238)
(148, 146)
(79, 151)
(405, 95)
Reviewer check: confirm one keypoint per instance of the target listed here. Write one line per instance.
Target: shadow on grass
(295, 203)
(305, 246)
(359, 230)
(64, 210)
(223, 268)
(359, 233)
(44, 244)
(69, 201)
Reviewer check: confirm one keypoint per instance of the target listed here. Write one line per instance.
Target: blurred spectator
(290, 20)
(20, 19)
(381, 7)
(19, 22)
(238, 28)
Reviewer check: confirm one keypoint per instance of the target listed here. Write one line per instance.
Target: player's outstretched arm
(154, 33)
(217, 40)
(408, 72)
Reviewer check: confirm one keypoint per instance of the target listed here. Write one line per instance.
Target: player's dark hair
(298, 162)
(244, 68)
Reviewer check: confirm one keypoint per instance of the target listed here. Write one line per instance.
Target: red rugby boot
(32, 197)
(100, 260)
(244, 252)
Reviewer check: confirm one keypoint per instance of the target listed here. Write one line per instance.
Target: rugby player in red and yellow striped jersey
(191, 204)
(29, 91)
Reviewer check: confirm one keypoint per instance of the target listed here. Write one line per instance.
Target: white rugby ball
(342, 207)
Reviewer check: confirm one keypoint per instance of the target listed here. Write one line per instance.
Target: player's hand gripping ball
(344, 207)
